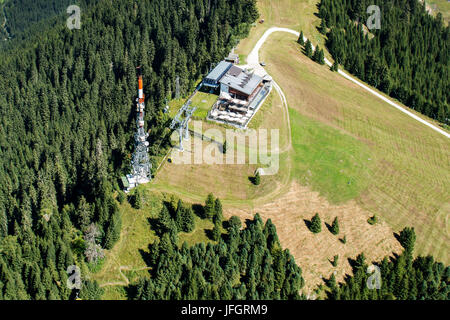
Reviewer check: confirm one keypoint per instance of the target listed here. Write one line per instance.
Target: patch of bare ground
(314, 252)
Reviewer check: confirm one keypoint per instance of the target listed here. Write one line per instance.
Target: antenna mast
(140, 162)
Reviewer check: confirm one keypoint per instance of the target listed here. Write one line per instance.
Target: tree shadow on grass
(146, 256)
(397, 236)
(308, 223)
(199, 210)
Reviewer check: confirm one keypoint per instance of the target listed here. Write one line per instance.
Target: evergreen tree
(121, 196)
(316, 55)
(322, 28)
(308, 49)
(335, 66)
(335, 226)
(216, 232)
(218, 217)
(316, 224)
(301, 40)
(188, 222)
(136, 199)
(3, 224)
(321, 57)
(113, 230)
(165, 222)
(257, 179)
(407, 239)
(209, 206)
(335, 260)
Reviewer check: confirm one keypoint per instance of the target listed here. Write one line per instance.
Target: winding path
(253, 62)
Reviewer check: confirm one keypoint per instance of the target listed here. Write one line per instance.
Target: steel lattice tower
(140, 162)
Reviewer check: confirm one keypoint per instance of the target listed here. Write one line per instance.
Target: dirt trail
(125, 281)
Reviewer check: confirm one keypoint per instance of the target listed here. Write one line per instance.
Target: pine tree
(323, 27)
(188, 222)
(407, 239)
(3, 224)
(332, 281)
(335, 226)
(335, 260)
(335, 66)
(136, 199)
(218, 217)
(113, 231)
(321, 57)
(316, 55)
(301, 39)
(316, 224)
(209, 206)
(257, 179)
(216, 232)
(164, 220)
(308, 49)
(121, 196)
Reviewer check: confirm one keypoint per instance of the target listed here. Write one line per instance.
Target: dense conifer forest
(408, 58)
(67, 123)
(22, 14)
(246, 263)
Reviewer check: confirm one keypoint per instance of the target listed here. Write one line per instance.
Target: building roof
(219, 71)
(239, 80)
(125, 182)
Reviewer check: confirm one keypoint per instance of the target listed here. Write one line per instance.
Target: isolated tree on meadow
(308, 48)
(335, 226)
(301, 39)
(335, 260)
(316, 224)
(257, 179)
(321, 57)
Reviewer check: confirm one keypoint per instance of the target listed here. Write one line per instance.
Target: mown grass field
(230, 182)
(407, 180)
